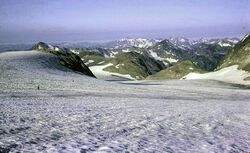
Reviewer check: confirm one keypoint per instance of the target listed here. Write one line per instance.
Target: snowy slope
(100, 73)
(32, 68)
(76, 113)
(229, 74)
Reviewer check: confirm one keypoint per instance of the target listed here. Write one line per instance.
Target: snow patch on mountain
(224, 44)
(98, 70)
(229, 74)
(126, 50)
(172, 60)
(89, 62)
(156, 57)
(100, 73)
(74, 51)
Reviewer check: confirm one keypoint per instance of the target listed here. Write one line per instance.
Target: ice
(75, 113)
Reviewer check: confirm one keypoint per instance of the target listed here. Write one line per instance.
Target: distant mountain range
(204, 53)
(124, 43)
(143, 58)
(144, 43)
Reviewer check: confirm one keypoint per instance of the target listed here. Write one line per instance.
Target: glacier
(71, 112)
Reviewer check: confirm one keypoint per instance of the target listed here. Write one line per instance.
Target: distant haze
(102, 20)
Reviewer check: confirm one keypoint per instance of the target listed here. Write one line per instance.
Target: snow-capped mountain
(45, 46)
(132, 42)
(181, 42)
(157, 53)
(185, 43)
(165, 51)
(203, 52)
(226, 42)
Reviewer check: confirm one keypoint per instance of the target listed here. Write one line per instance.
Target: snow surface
(224, 44)
(171, 60)
(75, 113)
(100, 73)
(89, 62)
(229, 74)
(126, 50)
(74, 51)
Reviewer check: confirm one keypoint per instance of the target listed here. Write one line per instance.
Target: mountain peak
(129, 42)
(40, 46)
(44, 46)
(166, 44)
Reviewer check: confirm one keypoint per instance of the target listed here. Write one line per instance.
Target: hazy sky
(95, 20)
